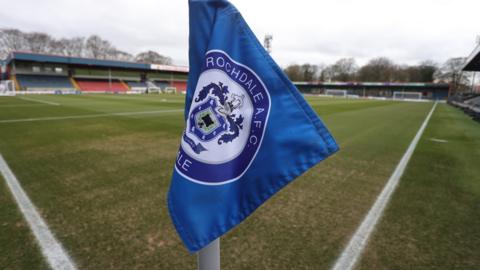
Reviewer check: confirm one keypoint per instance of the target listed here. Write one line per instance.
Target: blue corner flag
(248, 131)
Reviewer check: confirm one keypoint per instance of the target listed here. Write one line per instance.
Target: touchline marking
(52, 250)
(40, 101)
(358, 242)
(87, 116)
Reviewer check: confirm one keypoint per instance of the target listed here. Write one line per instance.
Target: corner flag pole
(209, 256)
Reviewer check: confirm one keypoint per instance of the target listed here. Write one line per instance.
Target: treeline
(93, 46)
(381, 69)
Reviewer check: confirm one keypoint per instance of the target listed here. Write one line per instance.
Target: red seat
(181, 86)
(101, 86)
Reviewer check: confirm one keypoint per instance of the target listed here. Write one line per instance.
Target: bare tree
(98, 48)
(305, 72)
(38, 42)
(343, 70)
(57, 47)
(309, 72)
(115, 54)
(294, 72)
(153, 57)
(73, 46)
(11, 40)
(379, 69)
(321, 72)
(426, 71)
(94, 46)
(451, 72)
(404, 73)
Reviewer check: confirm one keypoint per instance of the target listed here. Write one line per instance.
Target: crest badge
(226, 122)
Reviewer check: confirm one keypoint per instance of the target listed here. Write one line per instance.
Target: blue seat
(41, 81)
(137, 84)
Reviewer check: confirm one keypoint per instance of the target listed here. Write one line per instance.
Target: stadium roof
(473, 61)
(26, 56)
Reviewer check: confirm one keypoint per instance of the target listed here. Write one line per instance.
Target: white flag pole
(209, 256)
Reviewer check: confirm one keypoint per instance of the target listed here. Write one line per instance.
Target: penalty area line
(358, 242)
(51, 249)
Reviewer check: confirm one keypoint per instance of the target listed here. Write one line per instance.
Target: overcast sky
(314, 31)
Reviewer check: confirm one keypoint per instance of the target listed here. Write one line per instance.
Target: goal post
(401, 95)
(170, 90)
(7, 88)
(336, 93)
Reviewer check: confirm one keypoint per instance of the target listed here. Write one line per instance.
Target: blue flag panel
(248, 131)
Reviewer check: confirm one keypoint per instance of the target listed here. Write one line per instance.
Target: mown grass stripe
(358, 242)
(87, 116)
(51, 249)
(40, 101)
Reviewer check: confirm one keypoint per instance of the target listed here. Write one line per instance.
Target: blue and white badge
(226, 122)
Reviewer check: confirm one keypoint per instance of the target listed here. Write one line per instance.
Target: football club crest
(225, 124)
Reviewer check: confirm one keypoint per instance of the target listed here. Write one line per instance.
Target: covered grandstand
(40, 73)
(469, 102)
(433, 91)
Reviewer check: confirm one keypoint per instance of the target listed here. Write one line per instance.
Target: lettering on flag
(225, 124)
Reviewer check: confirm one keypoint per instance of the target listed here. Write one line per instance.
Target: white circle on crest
(220, 153)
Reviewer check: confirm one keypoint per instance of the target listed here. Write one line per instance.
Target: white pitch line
(52, 250)
(40, 101)
(87, 116)
(438, 140)
(358, 242)
(20, 105)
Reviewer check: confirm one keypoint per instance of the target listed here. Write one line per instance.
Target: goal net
(170, 90)
(407, 95)
(7, 88)
(336, 93)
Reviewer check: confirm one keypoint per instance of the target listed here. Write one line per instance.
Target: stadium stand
(474, 108)
(180, 86)
(468, 102)
(137, 86)
(33, 82)
(162, 84)
(3, 70)
(43, 73)
(101, 85)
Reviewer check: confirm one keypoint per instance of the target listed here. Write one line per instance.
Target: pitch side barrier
(76, 92)
(48, 92)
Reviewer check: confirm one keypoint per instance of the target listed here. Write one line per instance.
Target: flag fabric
(248, 131)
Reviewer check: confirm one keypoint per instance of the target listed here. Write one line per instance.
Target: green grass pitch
(98, 168)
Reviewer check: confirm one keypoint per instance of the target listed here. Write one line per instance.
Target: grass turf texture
(101, 183)
(433, 220)
(17, 244)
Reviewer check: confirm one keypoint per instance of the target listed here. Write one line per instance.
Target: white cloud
(406, 31)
